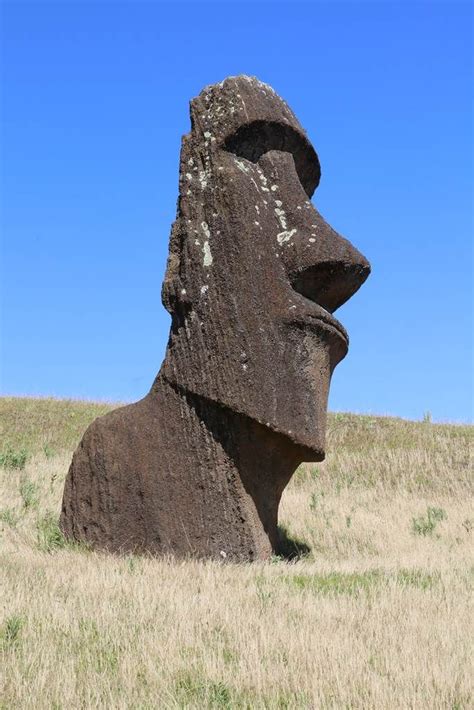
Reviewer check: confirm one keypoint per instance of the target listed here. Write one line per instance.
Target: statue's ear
(252, 140)
(168, 289)
(172, 286)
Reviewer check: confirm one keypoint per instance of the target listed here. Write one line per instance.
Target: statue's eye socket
(254, 139)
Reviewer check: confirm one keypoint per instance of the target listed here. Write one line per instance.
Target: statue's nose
(321, 264)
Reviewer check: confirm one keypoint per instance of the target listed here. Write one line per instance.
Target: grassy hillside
(374, 615)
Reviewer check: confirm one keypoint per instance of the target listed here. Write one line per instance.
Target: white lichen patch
(206, 249)
(278, 203)
(285, 236)
(263, 180)
(203, 178)
(204, 289)
(189, 176)
(183, 292)
(311, 240)
(241, 166)
(244, 107)
(256, 186)
(257, 209)
(274, 188)
(190, 161)
(281, 217)
(257, 223)
(207, 134)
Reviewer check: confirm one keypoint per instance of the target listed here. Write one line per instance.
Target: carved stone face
(254, 272)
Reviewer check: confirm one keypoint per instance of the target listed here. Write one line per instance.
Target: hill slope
(375, 614)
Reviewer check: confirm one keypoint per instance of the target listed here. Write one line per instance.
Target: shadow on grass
(290, 548)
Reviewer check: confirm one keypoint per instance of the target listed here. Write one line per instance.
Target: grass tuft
(11, 458)
(191, 687)
(10, 631)
(426, 524)
(9, 517)
(29, 493)
(50, 537)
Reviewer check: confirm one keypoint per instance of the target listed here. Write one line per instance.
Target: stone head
(254, 272)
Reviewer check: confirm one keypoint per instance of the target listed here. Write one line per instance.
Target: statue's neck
(238, 468)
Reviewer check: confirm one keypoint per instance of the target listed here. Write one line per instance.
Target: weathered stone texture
(254, 273)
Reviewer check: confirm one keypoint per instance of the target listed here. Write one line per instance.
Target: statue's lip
(324, 316)
(319, 317)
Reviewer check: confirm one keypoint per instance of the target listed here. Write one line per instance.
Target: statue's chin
(284, 390)
(310, 447)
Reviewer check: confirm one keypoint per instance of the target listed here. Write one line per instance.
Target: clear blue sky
(95, 100)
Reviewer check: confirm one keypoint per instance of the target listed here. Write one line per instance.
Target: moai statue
(254, 274)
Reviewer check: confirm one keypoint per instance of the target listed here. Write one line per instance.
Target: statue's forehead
(245, 116)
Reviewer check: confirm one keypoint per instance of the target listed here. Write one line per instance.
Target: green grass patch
(10, 631)
(335, 583)
(50, 538)
(29, 493)
(9, 516)
(356, 583)
(13, 458)
(417, 578)
(191, 687)
(193, 690)
(426, 524)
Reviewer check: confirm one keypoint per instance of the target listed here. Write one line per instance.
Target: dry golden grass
(375, 616)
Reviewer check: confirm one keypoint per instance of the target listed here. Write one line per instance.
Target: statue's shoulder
(119, 426)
